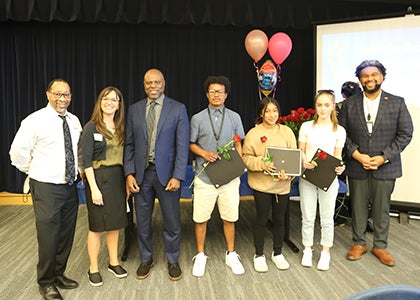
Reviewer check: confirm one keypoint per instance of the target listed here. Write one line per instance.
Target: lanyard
(216, 136)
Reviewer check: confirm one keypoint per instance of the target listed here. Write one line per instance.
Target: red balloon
(279, 47)
(256, 43)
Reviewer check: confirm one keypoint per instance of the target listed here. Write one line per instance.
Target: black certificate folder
(323, 174)
(222, 171)
(287, 159)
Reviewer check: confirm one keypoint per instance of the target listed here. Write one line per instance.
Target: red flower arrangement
(296, 117)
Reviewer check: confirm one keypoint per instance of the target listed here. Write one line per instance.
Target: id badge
(98, 137)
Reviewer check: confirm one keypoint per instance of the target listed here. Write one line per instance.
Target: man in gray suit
(379, 127)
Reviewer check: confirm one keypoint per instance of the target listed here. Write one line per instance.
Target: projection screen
(395, 42)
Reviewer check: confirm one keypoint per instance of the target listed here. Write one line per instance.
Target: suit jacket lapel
(142, 117)
(381, 111)
(361, 112)
(164, 113)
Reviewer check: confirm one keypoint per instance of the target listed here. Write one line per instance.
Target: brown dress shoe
(356, 251)
(384, 256)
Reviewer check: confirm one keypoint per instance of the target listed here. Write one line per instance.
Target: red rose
(311, 111)
(322, 155)
(237, 138)
(306, 115)
(263, 139)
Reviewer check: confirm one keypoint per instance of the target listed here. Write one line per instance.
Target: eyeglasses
(213, 92)
(331, 92)
(113, 100)
(59, 95)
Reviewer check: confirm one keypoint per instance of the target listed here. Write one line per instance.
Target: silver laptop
(287, 159)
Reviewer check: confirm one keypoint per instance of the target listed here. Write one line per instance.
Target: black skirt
(113, 214)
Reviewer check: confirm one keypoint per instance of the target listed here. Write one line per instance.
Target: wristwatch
(386, 160)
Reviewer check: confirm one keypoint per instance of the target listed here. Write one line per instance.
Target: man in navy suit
(155, 160)
(379, 127)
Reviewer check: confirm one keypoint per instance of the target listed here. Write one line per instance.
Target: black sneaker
(174, 271)
(118, 271)
(95, 279)
(143, 270)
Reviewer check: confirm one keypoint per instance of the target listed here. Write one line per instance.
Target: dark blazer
(392, 132)
(92, 149)
(172, 141)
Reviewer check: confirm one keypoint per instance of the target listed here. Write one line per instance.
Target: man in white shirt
(45, 148)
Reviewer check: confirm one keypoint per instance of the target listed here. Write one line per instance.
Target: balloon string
(257, 71)
(256, 66)
(278, 80)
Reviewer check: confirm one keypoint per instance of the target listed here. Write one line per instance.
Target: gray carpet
(18, 254)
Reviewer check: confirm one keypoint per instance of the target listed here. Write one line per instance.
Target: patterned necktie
(70, 167)
(150, 123)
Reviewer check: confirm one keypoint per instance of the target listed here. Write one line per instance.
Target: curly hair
(370, 63)
(222, 80)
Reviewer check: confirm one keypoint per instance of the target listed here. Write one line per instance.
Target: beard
(373, 90)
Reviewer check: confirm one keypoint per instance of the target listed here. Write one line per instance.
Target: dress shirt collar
(216, 111)
(53, 111)
(159, 100)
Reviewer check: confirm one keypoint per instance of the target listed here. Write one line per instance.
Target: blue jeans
(310, 196)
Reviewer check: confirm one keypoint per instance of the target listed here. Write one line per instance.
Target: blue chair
(294, 191)
(388, 292)
(244, 188)
(186, 191)
(81, 193)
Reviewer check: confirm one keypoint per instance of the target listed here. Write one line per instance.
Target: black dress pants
(55, 207)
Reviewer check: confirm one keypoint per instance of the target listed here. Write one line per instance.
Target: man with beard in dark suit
(379, 127)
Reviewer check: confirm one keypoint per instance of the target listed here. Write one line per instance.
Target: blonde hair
(333, 115)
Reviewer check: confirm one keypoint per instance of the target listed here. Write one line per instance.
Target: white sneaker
(260, 264)
(307, 258)
(280, 261)
(199, 267)
(232, 260)
(324, 261)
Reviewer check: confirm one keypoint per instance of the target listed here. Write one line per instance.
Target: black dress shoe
(143, 270)
(65, 283)
(50, 292)
(174, 271)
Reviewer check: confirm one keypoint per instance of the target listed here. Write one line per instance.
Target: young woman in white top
(325, 133)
